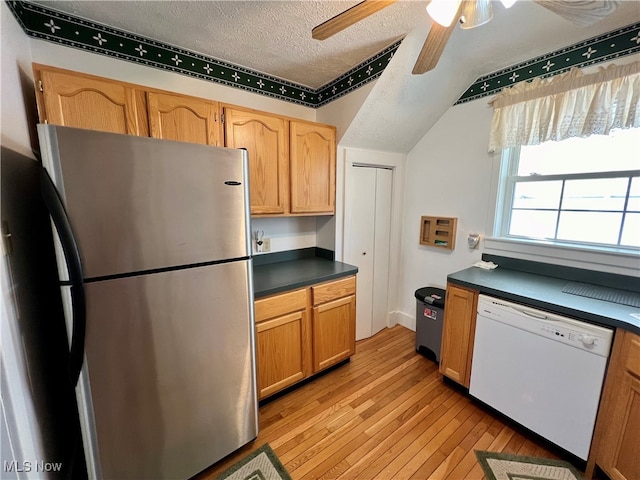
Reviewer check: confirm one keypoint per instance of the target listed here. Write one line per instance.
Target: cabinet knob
(364, 253)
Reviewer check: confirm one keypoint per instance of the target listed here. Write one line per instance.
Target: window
(581, 191)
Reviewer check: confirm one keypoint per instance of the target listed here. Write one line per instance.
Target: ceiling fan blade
(348, 18)
(581, 12)
(433, 47)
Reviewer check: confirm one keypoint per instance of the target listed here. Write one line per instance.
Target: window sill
(608, 260)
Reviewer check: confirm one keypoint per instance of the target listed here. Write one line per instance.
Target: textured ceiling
(272, 37)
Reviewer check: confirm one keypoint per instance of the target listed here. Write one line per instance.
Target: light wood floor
(385, 415)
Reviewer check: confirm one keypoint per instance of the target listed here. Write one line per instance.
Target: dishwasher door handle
(533, 314)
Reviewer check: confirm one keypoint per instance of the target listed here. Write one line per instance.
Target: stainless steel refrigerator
(154, 258)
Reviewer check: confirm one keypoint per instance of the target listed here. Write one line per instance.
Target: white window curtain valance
(569, 105)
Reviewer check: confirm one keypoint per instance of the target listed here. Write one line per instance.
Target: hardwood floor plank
(427, 468)
(380, 444)
(385, 415)
(394, 431)
(448, 464)
(515, 443)
(451, 443)
(478, 430)
(355, 436)
(502, 439)
(398, 454)
(470, 460)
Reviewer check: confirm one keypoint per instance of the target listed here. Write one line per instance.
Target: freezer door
(137, 204)
(169, 380)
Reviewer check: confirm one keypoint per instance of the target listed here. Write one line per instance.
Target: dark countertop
(545, 292)
(291, 270)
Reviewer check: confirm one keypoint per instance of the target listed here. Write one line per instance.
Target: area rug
(504, 466)
(261, 464)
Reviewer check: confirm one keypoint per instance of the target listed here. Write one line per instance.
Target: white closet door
(367, 233)
(360, 198)
(382, 235)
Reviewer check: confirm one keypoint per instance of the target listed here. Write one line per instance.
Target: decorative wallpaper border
(358, 76)
(54, 26)
(589, 52)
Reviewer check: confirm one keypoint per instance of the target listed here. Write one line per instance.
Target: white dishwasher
(540, 369)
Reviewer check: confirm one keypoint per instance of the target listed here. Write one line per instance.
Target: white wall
(286, 233)
(448, 174)
(16, 71)
(19, 418)
(342, 111)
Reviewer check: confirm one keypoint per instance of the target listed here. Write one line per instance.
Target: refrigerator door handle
(69, 245)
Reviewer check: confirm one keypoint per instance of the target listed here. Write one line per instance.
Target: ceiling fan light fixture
(443, 11)
(476, 13)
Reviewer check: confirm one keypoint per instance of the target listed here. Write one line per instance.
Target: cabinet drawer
(332, 290)
(282, 304)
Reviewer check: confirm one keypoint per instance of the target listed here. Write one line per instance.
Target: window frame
(508, 179)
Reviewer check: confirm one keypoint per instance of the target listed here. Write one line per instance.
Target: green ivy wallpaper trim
(57, 27)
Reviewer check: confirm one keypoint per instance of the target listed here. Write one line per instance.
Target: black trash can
(429, 319)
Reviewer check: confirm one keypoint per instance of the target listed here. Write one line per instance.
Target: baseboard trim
(401, 318)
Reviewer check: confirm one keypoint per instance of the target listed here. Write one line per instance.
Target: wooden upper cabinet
(292, 163)
(266, 139)
(458, 333)
(183, 118)
(84, 101)
(313, 168)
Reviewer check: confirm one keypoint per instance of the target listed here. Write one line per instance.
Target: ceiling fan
(469, 13)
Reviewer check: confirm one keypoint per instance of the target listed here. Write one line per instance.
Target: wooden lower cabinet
(282, 341)
(457, 333)
(279, 352)
(616, 444)
(302, 332)
(334, 322)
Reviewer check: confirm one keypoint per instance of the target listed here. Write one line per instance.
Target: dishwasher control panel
(571, 337)
(569, 331)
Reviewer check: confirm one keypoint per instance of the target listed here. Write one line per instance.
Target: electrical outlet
(266, 244)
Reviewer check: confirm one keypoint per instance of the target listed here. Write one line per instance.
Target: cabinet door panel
(183, 119)
(626, 461)
(334, 332)
(86, 102)
(618, 426)
(266, 139)
(457, 334)
(279, 351)
(313, 168)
